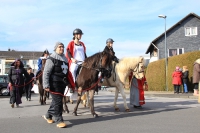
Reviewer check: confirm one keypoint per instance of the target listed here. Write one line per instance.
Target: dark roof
(17, 54)
(178, 23)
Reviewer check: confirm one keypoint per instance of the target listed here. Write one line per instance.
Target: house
(180, 38)
(29, 59)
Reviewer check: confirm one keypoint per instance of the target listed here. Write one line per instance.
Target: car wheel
(5, 92)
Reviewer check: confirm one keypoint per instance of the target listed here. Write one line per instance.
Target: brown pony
(42, 92)
(88, 76)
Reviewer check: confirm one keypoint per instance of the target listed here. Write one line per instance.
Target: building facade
(181, 38)
(29, 59)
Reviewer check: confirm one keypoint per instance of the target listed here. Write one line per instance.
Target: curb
(163, 94)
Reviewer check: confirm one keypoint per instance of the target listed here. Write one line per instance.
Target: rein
(28, 81)
(57, 93)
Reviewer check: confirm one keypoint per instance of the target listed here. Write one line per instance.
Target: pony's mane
(93, 60)
(90, 61)
(129, 62)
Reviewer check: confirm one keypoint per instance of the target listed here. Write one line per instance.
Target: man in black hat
(44, 56)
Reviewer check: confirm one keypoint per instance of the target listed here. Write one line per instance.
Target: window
(190, 31)
(34, 61)
(173, 52)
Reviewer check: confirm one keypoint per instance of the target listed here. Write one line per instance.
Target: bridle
(136, 69)
(98, 67)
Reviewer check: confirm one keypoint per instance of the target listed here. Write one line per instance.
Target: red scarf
(70, 47)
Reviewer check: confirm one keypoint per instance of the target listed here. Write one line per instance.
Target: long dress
(137, 92)
(16, 77)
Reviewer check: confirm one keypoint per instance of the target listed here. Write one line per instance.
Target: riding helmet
(109, 40)
(77, 31)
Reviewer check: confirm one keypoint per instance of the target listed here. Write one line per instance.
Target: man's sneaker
(50, 121)
(17, 105)
(29, 99)
(61, 125)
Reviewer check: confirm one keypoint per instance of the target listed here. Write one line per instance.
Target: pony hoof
(74, 114)
(117, 109)
(127, 110)
(95, 115)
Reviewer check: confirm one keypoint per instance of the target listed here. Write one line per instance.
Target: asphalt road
(159, 115)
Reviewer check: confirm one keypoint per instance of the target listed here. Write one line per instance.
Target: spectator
(39, 61)
(177, 77)
(196, 76)
(16, 82)
(185, 79)
(181, 86)
(29, 84)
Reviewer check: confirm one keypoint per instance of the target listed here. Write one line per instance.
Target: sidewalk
(168, 94)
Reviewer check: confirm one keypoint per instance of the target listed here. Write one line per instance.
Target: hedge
(155, 73)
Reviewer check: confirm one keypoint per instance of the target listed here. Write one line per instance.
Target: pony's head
(131, 64)
(138, 71)
(101, 61)
(107, 64)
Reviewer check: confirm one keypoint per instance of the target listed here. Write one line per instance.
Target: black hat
(46, 52)
(77, 31)
(109, 40)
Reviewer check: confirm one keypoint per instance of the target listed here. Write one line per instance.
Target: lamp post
(166, 63)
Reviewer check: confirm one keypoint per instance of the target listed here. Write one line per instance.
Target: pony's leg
(40, 94)
(124, 98)
(115, 99)
(83, 99)
(45, 96)
(92, 103)
(78, 101)
(87, 96)
(65, 107)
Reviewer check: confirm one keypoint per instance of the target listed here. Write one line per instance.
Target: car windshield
(3, 80)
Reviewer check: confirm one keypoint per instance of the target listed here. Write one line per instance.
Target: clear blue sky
(34, 25)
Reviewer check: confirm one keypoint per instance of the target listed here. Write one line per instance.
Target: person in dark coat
(29, 84)
(109, 48)
(16, 82)
(39, 61)
(56, 76)
(177, 80)
(196, 76)
(185, 78)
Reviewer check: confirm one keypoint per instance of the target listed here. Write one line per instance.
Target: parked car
(3, 85)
